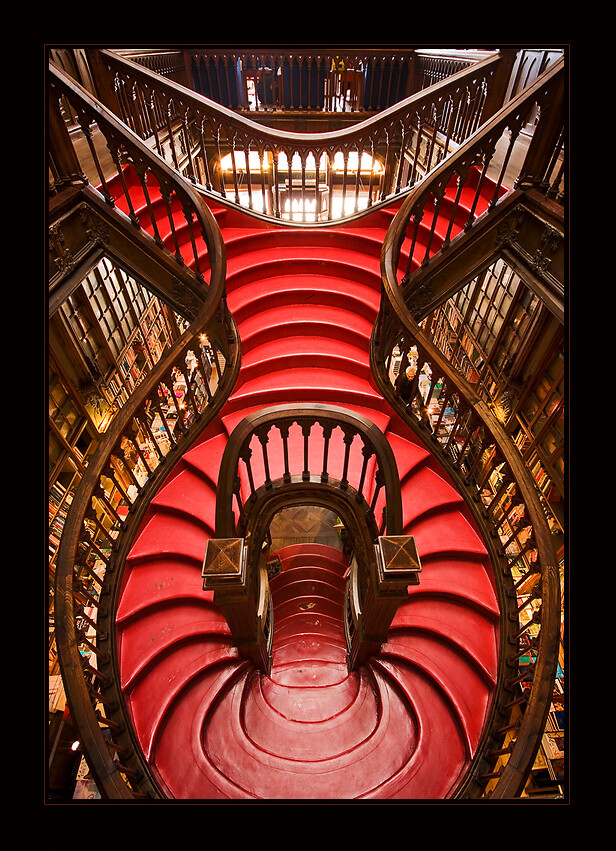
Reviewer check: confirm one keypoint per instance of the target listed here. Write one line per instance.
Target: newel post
(370, 611)
(245, 604)
(67, 168)
(500, 82)
(544, 142)
(105, 90)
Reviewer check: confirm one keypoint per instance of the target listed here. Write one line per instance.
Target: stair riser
(259, 300)
(307, 361)
(295, 327)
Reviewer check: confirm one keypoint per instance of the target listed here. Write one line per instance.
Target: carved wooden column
(66, 165)
(396, 566)
(545, 139)
(246, 605)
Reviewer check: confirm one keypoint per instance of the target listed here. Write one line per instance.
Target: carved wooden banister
(411, 240)
(338, 173)
(269, 462)
(97, 530)
(281, 417)
(146, 435)
(69, 165)
(474, 447)
(467, 437)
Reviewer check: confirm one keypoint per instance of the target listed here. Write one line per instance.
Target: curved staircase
(405, 725)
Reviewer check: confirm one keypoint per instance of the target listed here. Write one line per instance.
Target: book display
(117, 330)
(493, 328)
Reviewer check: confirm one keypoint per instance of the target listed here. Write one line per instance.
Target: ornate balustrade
(465, 433)
(316, 177)
(451, 196)
(149, 433)
(105, 136)
(325, 455)
(306, 79)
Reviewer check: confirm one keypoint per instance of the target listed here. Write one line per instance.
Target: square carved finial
(224, 560)
(398, 561)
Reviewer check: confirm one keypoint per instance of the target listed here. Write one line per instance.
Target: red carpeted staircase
(405, 725)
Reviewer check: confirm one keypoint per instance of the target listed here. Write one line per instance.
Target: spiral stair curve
(407, 723)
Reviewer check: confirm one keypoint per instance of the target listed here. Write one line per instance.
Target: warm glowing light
(296, 162)
(301, 205)
(367, 163)
(239, 157)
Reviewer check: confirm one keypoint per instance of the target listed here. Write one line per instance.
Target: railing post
(395, 567)
(545, 138)
(68, 171)
(498, 88)
(246, 609)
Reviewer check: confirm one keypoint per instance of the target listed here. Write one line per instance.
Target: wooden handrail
(144, 439)
(117, 460)
(467, 436)
(476, 153)
(464, 433)
(124, 147)
(350, 169)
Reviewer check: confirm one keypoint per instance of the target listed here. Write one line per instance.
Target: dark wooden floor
(304, 524)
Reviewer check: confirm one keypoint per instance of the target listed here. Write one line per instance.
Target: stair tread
(328, 260)
(206, 456)
(424, 491)
(446, 532)
(376, 755)
(464, 578)
(330, 574)
(187, 541)
(280, 729)
(173, 672)
(153, 634)
(189, 494)
(306, 346)
(309, 378)
(310, 550)
(304, 703)
(463, 626)
(301, 289)
(160, 580)
(408, 455)
(325, 317)
(314, 353)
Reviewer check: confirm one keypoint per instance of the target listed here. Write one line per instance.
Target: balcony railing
(300, 177)
(262, 80)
